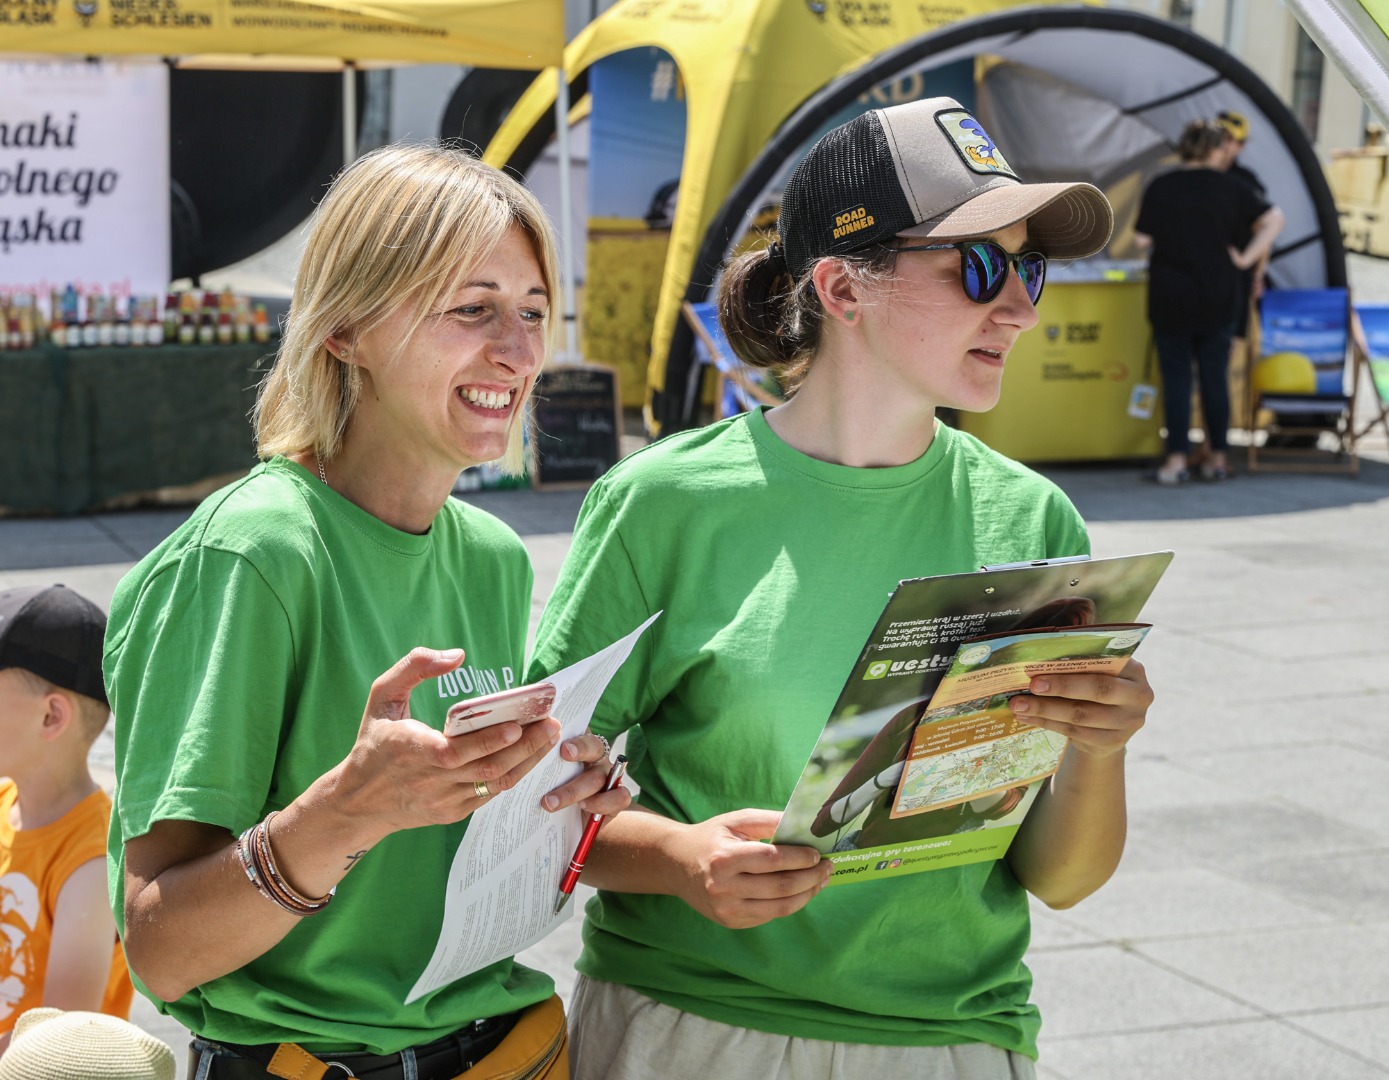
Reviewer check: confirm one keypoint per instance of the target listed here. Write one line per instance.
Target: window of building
(1307, 74)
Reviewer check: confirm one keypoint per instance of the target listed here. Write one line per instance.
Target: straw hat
(49, 1044)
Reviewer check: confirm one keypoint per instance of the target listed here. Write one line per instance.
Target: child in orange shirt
(58, 943)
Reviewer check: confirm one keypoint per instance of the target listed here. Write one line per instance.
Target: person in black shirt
(1236, 135)
(1237, 131)
(1192, 220)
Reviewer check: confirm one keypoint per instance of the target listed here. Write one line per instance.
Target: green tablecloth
(81, 427)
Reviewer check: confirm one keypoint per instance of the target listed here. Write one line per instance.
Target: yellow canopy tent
(485, 33)
(746, 66)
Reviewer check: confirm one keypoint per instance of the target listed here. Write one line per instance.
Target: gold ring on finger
(481, 790)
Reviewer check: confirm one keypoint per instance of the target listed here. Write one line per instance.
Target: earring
(849, 315)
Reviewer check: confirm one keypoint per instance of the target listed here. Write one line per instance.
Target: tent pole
(566, 219)
(349, 113)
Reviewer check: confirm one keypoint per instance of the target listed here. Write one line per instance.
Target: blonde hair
(92, 715)
(400, 225)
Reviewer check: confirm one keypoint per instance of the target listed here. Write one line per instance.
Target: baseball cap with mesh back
(926, 169)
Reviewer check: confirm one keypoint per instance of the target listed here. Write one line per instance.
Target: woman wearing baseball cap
(909, 259)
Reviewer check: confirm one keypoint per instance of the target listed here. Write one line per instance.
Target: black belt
(441, 1059)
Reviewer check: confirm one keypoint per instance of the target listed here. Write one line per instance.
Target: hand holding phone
(523, 704)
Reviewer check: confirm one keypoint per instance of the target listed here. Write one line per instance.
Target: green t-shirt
(771, 569)
(239, 657)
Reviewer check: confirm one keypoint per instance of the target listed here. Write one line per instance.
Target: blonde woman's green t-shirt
(239, 657)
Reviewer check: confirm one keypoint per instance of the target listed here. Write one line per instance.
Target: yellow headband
(1235, 124)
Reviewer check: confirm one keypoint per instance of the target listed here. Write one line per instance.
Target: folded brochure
(921, 765)
(968, 743)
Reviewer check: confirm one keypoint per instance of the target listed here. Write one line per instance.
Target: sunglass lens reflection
(986, 271)
(1032, 268)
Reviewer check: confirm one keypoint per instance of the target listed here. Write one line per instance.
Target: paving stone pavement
(1246, 934)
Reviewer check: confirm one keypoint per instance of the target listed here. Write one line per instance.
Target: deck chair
(1370, 332)
(1302, 383)
(740, 388)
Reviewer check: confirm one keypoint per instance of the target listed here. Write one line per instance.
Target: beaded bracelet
(258, 860)
(243, 852)
(277, 881)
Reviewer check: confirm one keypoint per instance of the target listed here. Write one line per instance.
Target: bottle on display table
(187, 319)
(72, 305)
(241, 320)
(91, 328)
(152, 333)
(135, 319)
(171, 317)
(207, 323)
(260, 325)
(99, 316)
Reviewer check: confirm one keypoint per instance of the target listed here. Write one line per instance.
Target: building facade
(1267, 37)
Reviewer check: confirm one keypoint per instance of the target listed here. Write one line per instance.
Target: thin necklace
(322, 473)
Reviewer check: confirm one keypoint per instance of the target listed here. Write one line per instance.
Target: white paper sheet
(506, 872)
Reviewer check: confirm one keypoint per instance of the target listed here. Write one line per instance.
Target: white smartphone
(523, 704)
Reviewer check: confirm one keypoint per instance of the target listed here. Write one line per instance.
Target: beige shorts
(616, 1033)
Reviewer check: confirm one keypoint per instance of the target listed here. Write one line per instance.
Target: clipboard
(858, 758)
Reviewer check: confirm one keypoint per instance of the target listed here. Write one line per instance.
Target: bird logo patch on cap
(973, 144)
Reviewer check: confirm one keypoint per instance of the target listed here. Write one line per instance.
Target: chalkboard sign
(576, 417)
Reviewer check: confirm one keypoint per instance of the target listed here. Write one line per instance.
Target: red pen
(576, 864)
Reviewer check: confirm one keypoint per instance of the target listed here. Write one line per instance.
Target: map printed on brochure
(968, 743)
(921, 764)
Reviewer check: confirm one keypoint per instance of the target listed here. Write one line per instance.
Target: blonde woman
(266, 765)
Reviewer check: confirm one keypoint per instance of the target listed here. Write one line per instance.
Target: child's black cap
(55, 633)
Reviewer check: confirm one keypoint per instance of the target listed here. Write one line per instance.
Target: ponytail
(758, 311)
(774, 321)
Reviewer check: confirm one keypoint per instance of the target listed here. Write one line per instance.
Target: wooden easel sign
(577, 425)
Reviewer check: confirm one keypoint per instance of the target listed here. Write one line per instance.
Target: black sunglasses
(984, 268)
